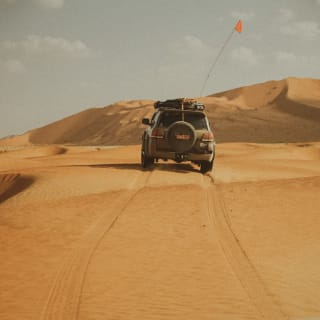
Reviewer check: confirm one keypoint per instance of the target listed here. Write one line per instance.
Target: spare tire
(181, 136)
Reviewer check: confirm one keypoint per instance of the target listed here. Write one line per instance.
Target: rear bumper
(186, 156)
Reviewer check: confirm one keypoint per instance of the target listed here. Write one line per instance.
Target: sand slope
(271, 112)
(88, 235)
(112, 125)
(275, 111)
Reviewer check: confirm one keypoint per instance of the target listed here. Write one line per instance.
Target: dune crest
(253, 96)
(267, 112)
(305, 91)
(44, 151)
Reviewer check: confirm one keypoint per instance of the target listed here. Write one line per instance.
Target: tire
(145, 161)
(184, 129)
(206, 166)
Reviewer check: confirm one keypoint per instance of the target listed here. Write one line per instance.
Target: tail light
(207, 137)
(157, 133)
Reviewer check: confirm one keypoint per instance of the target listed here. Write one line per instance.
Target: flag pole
(238, 28)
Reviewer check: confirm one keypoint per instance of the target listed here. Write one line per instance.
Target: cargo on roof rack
(179, 104)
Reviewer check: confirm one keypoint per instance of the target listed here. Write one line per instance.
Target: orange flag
(238, 26)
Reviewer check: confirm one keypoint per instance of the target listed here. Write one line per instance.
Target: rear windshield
(197, 120)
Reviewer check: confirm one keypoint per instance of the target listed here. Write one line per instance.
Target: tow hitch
(179, 157)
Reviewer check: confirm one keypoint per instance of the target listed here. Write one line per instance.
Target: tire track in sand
(64, 295)
(237, 256)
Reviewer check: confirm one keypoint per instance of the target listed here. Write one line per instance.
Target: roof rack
(180, 104)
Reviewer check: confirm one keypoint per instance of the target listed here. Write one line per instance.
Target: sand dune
(112, 125)
(271, 112)
(252, 97)
(86, 234)
(305, 91)
(268, 112)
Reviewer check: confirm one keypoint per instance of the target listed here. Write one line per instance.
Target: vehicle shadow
(176, 167)
(168, 167)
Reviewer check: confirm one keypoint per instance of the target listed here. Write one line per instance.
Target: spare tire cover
(181, 136)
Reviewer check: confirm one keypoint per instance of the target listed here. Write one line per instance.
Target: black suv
(179, 130)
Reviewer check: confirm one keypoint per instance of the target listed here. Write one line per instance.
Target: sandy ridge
(6, 181)
(266, 112)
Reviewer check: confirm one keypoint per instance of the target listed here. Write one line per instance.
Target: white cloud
(245, 55)
(51, 46)
(51, 4)
(286, 57)
(189, 45)
(289, 58)
(193, 41)
(14, 66)
(189, 51)
(303, 29)
(285, 15)
(242, 15)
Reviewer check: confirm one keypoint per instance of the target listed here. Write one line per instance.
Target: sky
(59, 57)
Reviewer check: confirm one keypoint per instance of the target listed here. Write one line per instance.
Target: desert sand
(86, 234)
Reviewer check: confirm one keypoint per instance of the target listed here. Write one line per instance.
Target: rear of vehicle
(180, 131)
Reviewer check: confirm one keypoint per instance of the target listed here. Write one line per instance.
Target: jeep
(179, 130)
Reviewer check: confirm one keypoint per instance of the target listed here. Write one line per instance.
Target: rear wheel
(206, 166)
(146, 161)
